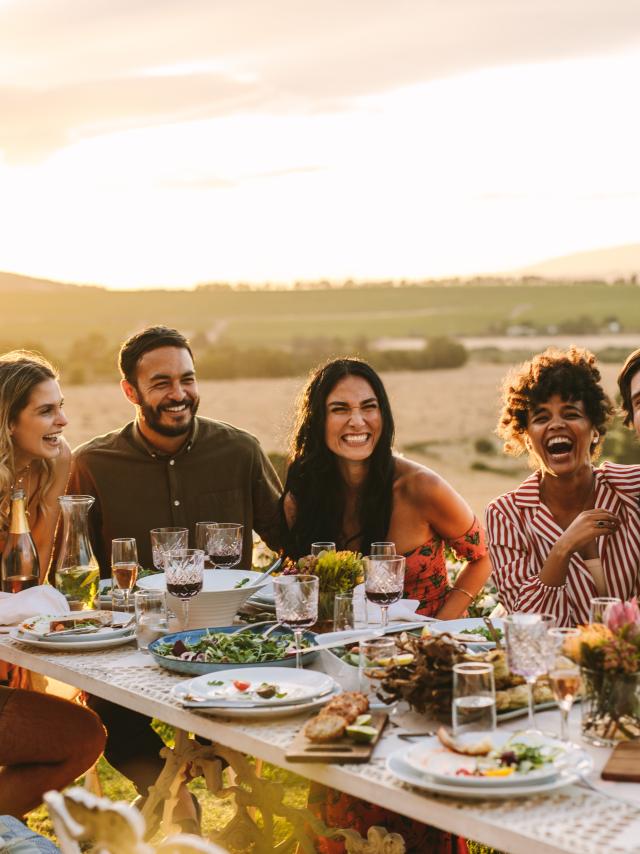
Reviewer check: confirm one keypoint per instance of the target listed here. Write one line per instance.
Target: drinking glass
(296, 598)
(384, 582)
(564, 678)
(201, 541)
(124, 566)
(224, 544)
(318, 548)
(598, 605)
(374, 654)
(474, 697)
(529, 650)
(183, 570)
(383, 548)
(343, 612)
(164, 540)
(151, 617)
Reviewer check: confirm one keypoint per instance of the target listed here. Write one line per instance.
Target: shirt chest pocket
(223, 505)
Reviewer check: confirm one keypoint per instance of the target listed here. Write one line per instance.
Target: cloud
(71, 69)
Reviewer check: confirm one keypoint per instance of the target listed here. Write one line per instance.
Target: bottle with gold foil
(20, 565)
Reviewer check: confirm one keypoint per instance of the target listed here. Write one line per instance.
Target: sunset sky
(171, 142)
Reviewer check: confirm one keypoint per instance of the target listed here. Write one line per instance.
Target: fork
(583, 781)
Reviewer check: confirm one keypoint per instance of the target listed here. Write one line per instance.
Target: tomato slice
(241, 686)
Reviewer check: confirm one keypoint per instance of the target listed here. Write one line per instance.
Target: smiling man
(169, 466)
(629, 385)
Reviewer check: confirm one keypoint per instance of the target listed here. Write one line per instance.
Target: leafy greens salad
(221, 648)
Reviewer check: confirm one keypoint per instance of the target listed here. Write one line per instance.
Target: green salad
(221, 648)
(499, 634)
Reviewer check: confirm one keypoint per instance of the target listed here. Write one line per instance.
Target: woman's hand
(586, 527)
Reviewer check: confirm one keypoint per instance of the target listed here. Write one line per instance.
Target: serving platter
(199, 668)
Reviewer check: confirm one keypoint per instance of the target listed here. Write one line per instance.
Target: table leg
(251, 793)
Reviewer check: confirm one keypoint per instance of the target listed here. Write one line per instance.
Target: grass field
(280, 317)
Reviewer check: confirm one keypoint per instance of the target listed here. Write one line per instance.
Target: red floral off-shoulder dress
(426, 580)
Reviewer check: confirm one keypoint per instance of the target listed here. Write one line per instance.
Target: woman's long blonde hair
(20, 372)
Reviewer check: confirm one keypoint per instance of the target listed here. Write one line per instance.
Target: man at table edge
(629, 385)
(169, 466)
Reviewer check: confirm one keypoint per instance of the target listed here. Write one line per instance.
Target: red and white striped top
(521, 532)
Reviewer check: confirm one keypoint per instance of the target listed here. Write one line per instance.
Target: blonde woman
(33, 453)
(45, 742)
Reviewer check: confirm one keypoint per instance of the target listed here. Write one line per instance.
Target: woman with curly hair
(345, 484)
(571, 531)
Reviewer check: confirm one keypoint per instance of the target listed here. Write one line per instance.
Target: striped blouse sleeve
(514, 571)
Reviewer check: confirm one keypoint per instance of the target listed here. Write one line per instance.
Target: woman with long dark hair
(345, 484)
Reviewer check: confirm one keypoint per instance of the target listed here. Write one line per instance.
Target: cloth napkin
(403, 611)
(16, 607)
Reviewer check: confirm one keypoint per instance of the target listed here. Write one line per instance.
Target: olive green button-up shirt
(220, 474)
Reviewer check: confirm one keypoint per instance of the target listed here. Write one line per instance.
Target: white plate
(72, 646)
(38, 634)
(269, 711)
(300, 686)
(397, 765)
(430, 757)
(265, 595)
(454, 627)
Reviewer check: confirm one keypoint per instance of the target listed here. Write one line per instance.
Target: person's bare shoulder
(417, 484)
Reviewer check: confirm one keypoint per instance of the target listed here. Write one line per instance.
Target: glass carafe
(77, 570)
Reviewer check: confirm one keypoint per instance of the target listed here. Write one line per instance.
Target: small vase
(610, 707)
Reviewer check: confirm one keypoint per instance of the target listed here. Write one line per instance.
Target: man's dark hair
(143, 342)
(629, 370)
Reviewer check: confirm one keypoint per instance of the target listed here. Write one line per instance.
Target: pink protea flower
(622, 614)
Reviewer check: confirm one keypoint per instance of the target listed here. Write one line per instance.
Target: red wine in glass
(383, 597)
(225, 560)
(185, 591)
(17, 583)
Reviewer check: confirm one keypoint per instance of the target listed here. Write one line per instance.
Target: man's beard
(152, 416)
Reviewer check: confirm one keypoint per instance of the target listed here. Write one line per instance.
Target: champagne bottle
(20, 565)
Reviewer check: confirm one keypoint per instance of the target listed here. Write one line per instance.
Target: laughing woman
(571, 531)
(45, 742)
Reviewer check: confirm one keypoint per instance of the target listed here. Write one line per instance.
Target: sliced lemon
(426, 632)
(362, 734)
(497, 772)
(405, 658)
(363, 720)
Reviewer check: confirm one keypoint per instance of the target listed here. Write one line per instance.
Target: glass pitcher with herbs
(77, 570)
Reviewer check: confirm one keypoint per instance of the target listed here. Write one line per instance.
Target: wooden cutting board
(343, 750)
(624, 763)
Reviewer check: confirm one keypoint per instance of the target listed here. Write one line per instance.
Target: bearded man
(169, 466)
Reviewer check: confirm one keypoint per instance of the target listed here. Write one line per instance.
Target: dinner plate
(199, 668)
(262, 713)
(106, 632)
(430, 757)
(401, 769)
(219, 689)
(72, 646)
(455, 627)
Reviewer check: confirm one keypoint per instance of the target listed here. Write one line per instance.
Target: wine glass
(296, 598)
(183, 570)
(124, 566)
(598, 605)
(201, 541)
(529, 650)
(384, 582)
(165, 539)
(382, 549)
(318, 548)
(224, 544)
(564, 678)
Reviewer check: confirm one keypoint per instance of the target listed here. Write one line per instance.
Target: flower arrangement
(338, 572)
(609, 658)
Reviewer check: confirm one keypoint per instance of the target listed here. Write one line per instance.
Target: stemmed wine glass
(383, 549)
(318, 548)
(384, 581)
(201, 541)
(224, 544)
(296, 599)
(564, 677)
(164, 540)
(183, 574)
(124, 566)
(530, 650)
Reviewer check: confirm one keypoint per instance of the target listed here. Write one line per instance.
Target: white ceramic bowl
(219, 601)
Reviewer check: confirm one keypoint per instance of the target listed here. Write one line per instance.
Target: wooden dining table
(574, 819)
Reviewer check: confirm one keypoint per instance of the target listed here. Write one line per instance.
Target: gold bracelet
(466, 592)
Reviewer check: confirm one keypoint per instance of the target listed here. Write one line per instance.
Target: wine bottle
(20, 566)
